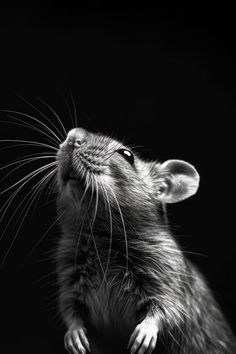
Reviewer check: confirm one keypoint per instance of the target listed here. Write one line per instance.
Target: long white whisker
(123, 223)
(96, 203)
(42, 237)
(22, 163)
(69, 110)
(56, 115)
(7, 204)
(52, 186)
(86, 188)
(9, 201)
(26, 179)
(39, 187)
(28, 142)
(82, 224)
(93, 220)
(43, 115)
(29, 176)
(175, 340)
(35, 120)
(37, 155)
(96, 249)
(110, 152)
(29, 126)
(74, 109)
(110, 216)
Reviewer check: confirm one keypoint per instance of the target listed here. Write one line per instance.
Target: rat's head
(98, 173)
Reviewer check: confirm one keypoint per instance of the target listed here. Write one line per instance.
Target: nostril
(75, 138)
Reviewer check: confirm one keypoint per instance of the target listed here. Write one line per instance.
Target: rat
(125, 286)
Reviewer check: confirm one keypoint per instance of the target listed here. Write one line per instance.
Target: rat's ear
(176, 180)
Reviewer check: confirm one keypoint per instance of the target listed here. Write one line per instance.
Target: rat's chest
(109, 304)
(106, 291)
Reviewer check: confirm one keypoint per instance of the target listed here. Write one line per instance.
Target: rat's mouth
(69, 173)
(72, 175)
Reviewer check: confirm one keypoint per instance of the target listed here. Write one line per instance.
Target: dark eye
(127, 155)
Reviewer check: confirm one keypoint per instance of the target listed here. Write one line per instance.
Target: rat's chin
(72, 189)
(75, 185)
(73, 182)
(67, 183)
(72, 186)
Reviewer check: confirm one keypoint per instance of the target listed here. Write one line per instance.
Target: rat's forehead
(80, 132)
(104, 141)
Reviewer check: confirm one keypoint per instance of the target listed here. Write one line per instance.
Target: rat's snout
(75, 138)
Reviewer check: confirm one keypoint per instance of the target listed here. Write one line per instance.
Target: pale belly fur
(111, 306)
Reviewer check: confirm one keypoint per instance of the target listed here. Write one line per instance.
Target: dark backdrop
(160, 77)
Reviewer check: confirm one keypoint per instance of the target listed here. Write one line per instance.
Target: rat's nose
(75, 138)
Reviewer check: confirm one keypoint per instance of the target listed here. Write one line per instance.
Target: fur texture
(117, 261)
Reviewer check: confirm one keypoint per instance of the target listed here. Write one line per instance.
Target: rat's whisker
(97, 253)
(29, 176)
(110, 152)
(57, 117)
(45, 117)
(93, 220)
(105, 151)
(28, 143)
(71, 116)
(74, 109)
(7, 204)
(38, 189)
(28, 116)
(82, 224)
(22, 162)
(42, 237)
(87, 184)
(175, 340)
(21, 123)
(96, 202)
(124, 228)
(9, 201)
(110, 217)
(30, 194)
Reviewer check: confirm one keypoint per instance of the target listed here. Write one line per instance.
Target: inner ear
(176, 181)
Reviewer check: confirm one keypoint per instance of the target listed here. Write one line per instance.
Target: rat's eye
(127, 155)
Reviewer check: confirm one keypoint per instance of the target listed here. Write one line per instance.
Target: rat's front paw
(75, 340)
(144, 337)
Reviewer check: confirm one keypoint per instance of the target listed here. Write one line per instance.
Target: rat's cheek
(107, 184)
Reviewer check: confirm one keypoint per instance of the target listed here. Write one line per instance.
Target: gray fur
(117, 260)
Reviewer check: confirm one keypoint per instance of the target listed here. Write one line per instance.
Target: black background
(160, 77)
